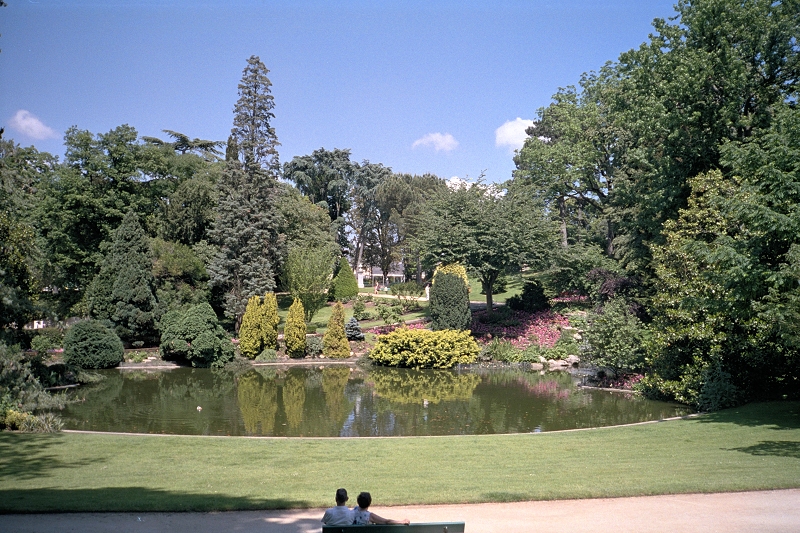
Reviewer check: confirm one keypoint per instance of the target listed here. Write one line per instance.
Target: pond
(343, 401)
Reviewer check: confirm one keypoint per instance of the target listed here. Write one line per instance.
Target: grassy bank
(749, 448)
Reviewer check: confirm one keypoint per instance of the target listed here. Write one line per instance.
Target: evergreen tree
(449, 306)
(269, 321)
(353, 330)
(250, 335)
(345, 285)
(247, 226)
(334, 342)
(294, 334)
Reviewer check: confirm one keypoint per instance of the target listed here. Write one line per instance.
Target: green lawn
(749, 448)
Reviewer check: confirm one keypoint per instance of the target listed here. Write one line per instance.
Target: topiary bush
(457, 269)
(90, 344)
(449, 303)
(334, 342)
(294, 334)
(270, 321)
(267, 355)
(532, 298)
(353, 330)
(345, 285)
(196, 336)
(250, 335)
(422, 348)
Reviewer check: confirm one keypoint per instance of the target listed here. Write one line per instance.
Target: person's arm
(375, 519)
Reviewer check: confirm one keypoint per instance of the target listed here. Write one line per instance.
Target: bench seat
(422, 527)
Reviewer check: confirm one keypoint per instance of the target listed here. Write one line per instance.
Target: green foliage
(19, 387)
(196, 336)
(180, 275)
(47, 339)
(42, 423)
(570, 266)
(421, 348)
(250, 335)
(407, 294)
(307, 276)
(314, 346)
(345, 284)
(90, 344)
(359, 309)
(616, 337)
(18, 285)
(14, 419)
(390, 313)
(353, 330)
(457, 269)
(449, 303)
(532, 298)
(335, 339)
(270, 321)
(400, 386)
(267, 356)
(294, 333)
(503, 351)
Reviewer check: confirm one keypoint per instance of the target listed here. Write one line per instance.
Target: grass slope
(750, 448)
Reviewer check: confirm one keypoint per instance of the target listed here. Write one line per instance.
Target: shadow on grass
(776, 448)
(131, 499)
(777, 415)
(26, 456)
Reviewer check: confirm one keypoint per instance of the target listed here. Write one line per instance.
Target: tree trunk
(419, 268)
(487, 284)
(609, 238)
(562, 214)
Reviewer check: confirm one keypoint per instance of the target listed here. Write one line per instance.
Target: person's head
(341, 496)
(364, 500)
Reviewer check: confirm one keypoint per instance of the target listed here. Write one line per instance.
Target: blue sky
(418, 86)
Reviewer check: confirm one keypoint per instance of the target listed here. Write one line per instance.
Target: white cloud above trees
(438, 141)
(512, 133)
(28, 124)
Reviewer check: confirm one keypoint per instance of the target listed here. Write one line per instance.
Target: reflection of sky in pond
(342, 401)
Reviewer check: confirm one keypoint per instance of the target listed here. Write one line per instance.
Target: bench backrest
(422, 527)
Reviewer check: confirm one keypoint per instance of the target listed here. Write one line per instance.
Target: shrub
(90, 344)
(250, 335)
(335, 339)
(449, 303)
(14, 419)
(270, 321)
(345, 285)
(359, 309)
(389, 313)
(353, 330)
(314, 346)
(294, 334)
(407, 294)
(532, 298)
(502, 350)
(421, 348)
(267, 355)
(47, 339)
(19, 387)
(456, 269)
(43, 423)
(195, 336)
(615, 337)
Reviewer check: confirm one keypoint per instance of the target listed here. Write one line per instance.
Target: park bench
(422, 527)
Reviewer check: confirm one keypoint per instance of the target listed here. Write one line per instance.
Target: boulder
(573, 360)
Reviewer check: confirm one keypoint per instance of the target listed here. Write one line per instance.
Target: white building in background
(367, 276)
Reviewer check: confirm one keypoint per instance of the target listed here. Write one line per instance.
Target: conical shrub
(270, 321)
(250, 336)
(294, 334)
(334, 343)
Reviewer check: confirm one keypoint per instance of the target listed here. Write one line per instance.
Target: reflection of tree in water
(407, 386)
(334, 381)
(294, 398)
(258, 402)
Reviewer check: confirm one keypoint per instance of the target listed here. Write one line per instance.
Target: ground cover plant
(520, 328)
(754, 447)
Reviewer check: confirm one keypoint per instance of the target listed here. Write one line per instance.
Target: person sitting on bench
(364, 517)
(340, 515)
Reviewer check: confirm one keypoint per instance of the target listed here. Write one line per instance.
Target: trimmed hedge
(90, 344)
(334, 342)
(421, 348)
(345, 284)
(195, 336)
(449, 303)
(294, 333)
(250, 336)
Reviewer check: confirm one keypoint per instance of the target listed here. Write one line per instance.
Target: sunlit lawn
(750, 448)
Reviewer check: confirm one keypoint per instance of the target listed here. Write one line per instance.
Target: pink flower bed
(542, 328)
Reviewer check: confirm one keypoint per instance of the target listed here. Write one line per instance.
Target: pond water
(342, 401)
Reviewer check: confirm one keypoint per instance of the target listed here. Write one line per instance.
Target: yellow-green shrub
(421, 348)
(250, 338)
(269, 321)
(14, 419)
(334, 343)
(294, 334)
(457, 269)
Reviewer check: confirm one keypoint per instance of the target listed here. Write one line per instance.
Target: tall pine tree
(247, 226)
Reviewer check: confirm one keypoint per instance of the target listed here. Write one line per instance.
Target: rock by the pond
(557, 363)
(537, 366)
(573, 360)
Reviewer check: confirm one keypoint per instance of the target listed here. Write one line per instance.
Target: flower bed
(523, 329)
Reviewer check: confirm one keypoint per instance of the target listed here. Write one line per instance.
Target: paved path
(764, 512)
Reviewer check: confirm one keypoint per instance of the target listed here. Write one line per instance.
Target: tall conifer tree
(247, 227)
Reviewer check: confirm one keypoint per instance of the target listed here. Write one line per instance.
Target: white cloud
(29, 125)
(512, 133)
(438, 141)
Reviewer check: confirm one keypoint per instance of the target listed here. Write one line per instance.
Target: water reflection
(344, 401)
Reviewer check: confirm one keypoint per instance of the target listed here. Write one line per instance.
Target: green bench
(423, 527)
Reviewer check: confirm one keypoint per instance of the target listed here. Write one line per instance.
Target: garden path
(776, 511)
